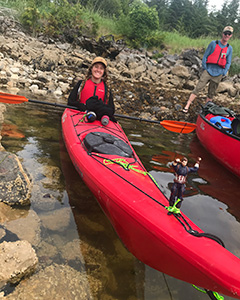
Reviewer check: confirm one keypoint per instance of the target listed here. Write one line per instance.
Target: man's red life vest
(219, 56)
(92, 89)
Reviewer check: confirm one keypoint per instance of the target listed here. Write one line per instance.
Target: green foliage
(30, 18)
(143, 20)
(138, 26)
(62, 18)
(107, 7)
(234, 69)
(155, 40)
(54, 19)
(138, 21)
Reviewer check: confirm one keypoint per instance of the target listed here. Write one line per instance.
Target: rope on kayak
(196, 233)
(127, 166)
(212, 295)
(123, 163)
(99, 156)
(4, 158)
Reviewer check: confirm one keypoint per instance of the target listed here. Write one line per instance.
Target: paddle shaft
(52, 104)
(174, 126)
(72, 107)
(136, 118)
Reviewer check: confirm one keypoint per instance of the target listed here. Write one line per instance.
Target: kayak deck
(135, 205)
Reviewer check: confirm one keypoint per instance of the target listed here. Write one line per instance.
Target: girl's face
(97, 72)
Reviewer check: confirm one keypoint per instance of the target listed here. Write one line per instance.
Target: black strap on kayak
(185, 224)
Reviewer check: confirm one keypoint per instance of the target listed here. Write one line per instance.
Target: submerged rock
(17, 260)
(15, 185)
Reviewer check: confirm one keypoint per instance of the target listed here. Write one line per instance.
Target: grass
(173, 41)
(176, 43)
(106, 25)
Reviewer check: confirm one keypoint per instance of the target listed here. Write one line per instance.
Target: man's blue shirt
(214, 69)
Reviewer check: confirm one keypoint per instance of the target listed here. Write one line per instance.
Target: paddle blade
(12, 99)
(178, 126)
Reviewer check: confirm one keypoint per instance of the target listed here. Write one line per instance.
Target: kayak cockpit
(105, 143)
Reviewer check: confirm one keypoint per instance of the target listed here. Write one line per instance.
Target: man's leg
(205, 77)
(172, 198)
(213, 85)
(189, 102)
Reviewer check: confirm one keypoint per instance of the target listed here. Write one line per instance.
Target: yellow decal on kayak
(123, 163)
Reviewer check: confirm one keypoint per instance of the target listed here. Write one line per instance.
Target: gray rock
(15, 185)
(17, 260)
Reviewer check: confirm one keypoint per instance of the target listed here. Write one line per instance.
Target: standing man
(216, 63)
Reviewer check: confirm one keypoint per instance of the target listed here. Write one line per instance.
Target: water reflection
(86, 241)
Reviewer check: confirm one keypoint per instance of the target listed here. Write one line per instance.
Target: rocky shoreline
(142, 86)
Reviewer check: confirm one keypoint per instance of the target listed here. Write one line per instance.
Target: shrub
(30, 18)
(234, 69)
(138, 26)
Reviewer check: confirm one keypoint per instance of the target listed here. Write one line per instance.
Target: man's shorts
(213, 84)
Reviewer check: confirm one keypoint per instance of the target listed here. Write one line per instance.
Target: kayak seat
(105, 143)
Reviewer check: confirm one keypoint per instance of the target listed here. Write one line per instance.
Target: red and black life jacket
(91, 89)
(219, 56)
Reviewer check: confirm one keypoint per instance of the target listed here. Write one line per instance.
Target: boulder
(17, 260)
(15, 185)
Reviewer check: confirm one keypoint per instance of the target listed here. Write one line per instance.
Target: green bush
(143, 20)
(62, 19)
(234, 69)
(155, 40)
(138, 26)
(30, 18)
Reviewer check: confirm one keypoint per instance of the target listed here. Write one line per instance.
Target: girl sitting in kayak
(93, 93)
(181, 171)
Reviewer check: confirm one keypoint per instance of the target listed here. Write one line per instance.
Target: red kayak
(135, 205)
(219, 140)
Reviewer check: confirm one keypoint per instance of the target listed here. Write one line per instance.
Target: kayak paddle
(175, 126)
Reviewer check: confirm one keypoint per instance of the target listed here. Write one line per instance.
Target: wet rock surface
(18, 260)
(15, 185)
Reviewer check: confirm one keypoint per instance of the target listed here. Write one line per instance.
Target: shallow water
(212, 202)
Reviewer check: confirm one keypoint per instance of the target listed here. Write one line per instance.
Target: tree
(175, 13)
(107, 7)
(140, 24)
(143, 20)
(233, 7)
(161, 8)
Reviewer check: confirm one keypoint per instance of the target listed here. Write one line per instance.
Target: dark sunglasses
(227, 33)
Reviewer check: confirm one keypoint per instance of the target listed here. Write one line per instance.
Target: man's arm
(229, 60)
(208, 51)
